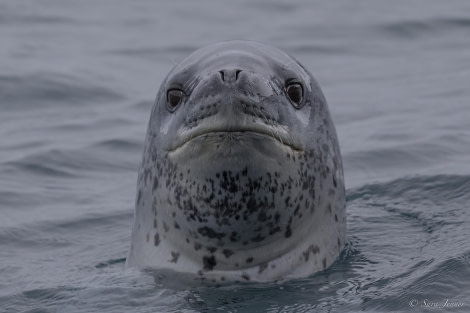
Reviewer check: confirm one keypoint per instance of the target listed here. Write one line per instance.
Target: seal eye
(174, 97)
(295, 93)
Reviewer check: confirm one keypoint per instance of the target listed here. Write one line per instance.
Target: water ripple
(412, 29)
(47, 89)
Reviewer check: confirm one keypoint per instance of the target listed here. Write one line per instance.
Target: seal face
(241, 177)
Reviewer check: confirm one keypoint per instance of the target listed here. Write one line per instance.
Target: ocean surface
(77, 82)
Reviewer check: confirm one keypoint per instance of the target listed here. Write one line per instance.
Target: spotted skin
(238, 182)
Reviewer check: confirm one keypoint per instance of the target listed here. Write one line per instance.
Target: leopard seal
(241, 177)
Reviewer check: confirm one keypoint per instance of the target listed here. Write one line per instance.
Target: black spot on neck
(210, 233)
(209, 262)
(174, 257)
(227, 253)
(211, 249)
(156, 239)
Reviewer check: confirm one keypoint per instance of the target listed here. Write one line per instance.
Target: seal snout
(234, 99)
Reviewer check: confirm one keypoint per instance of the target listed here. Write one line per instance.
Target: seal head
(241, 177)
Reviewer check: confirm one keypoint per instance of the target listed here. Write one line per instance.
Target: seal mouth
(281, 138)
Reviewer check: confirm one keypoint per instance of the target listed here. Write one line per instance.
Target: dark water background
(77, 82)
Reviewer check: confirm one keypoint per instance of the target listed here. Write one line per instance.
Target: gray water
(77, 82)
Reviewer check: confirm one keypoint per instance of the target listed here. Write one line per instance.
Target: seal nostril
(222, 75)
(237, 72)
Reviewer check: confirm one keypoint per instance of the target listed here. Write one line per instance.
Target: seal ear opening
(173, 98)
(295, 93)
